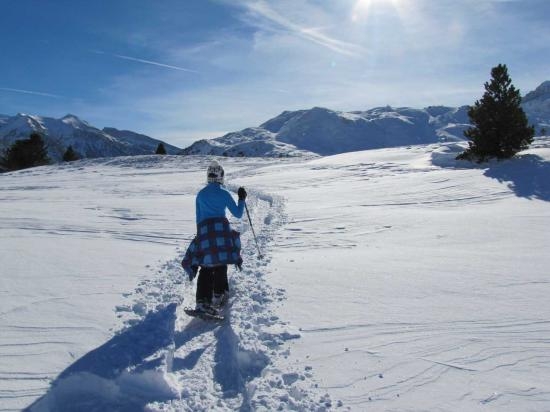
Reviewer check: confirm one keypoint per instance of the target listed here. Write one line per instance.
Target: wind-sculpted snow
(392, 279)
(449, 241)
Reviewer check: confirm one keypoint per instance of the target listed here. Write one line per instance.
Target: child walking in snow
(216, 245)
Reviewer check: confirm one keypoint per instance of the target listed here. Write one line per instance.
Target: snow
(392, 279)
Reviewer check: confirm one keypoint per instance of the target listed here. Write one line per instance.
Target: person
(216, 245)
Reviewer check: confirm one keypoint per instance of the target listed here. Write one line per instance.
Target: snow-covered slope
(326, 132)
(85, 139)
(251, 142)
(392, 279)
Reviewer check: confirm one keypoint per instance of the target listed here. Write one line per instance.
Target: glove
(242, 193)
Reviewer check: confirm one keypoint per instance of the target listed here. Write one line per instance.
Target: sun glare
(362, 8)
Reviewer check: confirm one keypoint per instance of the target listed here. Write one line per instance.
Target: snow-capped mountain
(536, 105)
(87, 140)
(321, 131)
(250, 142)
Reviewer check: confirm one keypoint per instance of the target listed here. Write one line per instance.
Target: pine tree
(26, 153)
(70, 155)
(161, 150)
(500, 128)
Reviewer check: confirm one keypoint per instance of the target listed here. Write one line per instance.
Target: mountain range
(87, 140)
(313, 132)
(321, 131)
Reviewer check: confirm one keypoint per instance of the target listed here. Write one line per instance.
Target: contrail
(262, 9)
(9, 89)
(135, 59)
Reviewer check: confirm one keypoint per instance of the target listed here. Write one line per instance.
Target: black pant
(211, 280)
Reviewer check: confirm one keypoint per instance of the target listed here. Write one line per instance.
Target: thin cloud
(262, 9)
(135, 59)
(9, 89)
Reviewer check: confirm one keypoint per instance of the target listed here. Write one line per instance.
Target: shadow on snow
(124, 374)
(129, 371)
(233, 365)
(528, 176)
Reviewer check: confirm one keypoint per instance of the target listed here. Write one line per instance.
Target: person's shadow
(120, 375)
(528, 176)
(128, 372)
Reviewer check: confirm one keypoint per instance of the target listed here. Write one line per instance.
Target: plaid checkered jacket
(215, 244)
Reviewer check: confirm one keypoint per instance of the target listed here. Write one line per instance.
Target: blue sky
(180, 70)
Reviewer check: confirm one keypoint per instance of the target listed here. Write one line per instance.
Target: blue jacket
(215, 243)
(213, 200)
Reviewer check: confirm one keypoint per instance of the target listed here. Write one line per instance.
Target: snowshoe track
(231, 365)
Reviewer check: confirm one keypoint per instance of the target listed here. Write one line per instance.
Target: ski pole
(252, 227)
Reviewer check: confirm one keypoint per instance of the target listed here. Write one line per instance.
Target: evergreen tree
(26, 153)
(161, 150)
(500, 128)
(70, 155)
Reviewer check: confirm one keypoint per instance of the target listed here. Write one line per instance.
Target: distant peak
(70, 116)
(28, 117)
(321, 109)
(543, 90)
(73, 120)
(544, 87)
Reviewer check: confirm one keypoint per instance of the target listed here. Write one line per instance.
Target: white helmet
(215, 173)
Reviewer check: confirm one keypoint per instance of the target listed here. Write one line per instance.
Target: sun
(362, 8)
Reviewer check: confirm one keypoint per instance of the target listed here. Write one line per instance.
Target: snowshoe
(205, 312)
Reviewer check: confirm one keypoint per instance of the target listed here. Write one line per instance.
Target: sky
(183, 70)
